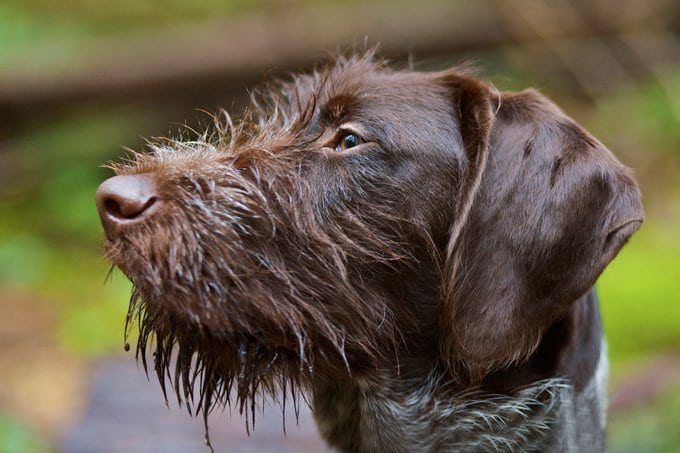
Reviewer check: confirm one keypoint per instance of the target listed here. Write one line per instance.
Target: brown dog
(415, 250)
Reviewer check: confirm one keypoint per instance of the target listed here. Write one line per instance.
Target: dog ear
(542, 207)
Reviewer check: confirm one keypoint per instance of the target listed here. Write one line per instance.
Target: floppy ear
(541, 209)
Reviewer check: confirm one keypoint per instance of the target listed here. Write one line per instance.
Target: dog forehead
(382, 89)
(406, 108)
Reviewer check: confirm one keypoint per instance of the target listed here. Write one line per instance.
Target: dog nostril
(127, 208)
(125, 199)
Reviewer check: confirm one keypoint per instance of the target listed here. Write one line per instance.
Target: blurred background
(80, 80)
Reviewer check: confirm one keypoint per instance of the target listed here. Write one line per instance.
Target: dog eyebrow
(338, 107)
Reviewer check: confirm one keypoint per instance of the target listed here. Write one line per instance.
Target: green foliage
(59, 165)
(640, 297)
(650, 429)
(643, 118)
(16, 437)
(91, 324)
(50, 233)
(52, 37)
(91, 310)
(23, 259)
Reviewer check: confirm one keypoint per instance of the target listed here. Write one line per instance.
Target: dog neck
(419, 407)
(426, 415)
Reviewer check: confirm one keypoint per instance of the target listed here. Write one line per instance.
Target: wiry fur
(433, 414)
(223, 296)
(430, 288)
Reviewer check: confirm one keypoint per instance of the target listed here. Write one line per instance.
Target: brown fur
(460, 233)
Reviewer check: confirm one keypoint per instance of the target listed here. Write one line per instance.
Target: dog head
(317, 236)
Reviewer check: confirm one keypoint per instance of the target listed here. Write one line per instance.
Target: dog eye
(347, 141)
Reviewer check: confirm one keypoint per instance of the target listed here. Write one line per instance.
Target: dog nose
(125, 200)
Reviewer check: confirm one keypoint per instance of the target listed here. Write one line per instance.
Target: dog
(415, 251)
